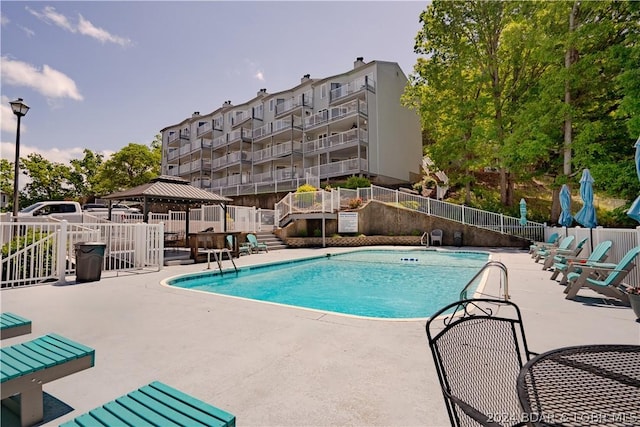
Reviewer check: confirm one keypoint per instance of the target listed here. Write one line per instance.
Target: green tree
(83, 178)
(6, 179)
(47, 180)
(133, 165)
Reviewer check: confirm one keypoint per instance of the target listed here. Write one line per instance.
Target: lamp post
(19, 109)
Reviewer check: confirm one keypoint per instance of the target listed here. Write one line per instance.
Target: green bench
(155, 404)
(25, 367)
(12, 325)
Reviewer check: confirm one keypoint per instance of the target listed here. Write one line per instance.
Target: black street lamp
(19, 109)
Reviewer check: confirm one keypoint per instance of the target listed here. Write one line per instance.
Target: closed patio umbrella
(587, 215)
(634, 211)
(565, 202)
(523, 212)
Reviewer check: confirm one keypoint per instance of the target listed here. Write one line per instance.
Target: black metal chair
(479, 347)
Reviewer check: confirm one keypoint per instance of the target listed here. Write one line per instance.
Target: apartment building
(320, 130)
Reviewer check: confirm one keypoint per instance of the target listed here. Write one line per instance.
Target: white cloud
(260, 76)
(84, 26)
(4, 20)
(54, 155)
(28, 31)
(48, 81)
(88, 29)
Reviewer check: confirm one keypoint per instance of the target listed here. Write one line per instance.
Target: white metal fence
(331, 201)
(34, 253)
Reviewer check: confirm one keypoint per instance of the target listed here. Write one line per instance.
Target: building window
(271, 104)
(323, 91)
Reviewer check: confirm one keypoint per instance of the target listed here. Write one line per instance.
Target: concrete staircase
(270, 239)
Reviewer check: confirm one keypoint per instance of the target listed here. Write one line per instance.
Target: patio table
(592, 385)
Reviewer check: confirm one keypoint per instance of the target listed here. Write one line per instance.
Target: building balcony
(205, 131)
(220, 141)
(293, 104)
(262, 132)
(241, 134)
(241, 117)
(178, 137)
(231, 159)
(337, 141)
(275, 151)
(345, 167)
(352, 89)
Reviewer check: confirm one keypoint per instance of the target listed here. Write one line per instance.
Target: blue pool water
(370, 283)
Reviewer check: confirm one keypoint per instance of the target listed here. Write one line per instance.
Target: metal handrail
(501, 266)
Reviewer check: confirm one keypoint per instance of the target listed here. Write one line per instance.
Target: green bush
(410, 204)
(305, 194)
(355, 182)
(317, 233)
(302, 233)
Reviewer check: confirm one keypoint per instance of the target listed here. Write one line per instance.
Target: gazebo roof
(168, 189)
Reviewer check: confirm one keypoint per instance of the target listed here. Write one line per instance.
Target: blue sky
(100, 75)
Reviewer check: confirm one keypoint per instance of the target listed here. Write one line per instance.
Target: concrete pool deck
(272, 365)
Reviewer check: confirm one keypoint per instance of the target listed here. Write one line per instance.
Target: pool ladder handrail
(218, 260)
(502, 267)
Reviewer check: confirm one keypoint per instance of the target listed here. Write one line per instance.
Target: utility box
(457, 238)
(89, 260)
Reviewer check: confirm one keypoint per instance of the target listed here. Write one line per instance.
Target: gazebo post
(224, 216)
(186, 232)
(145, 204)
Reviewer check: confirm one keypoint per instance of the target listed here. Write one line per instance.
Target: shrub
(317, 233)
(305, 194)
(410, 204)
(302, 233)
(355, 182)
(355, 203)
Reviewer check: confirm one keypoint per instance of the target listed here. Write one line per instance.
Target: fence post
(429, 205)
(140, 245)
(161, 251)
(63, 236)
(463, 206)
(502, 223)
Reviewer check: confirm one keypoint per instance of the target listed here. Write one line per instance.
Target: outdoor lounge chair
(27, 366)
(436, 236)
(568, 264)
(564, 244)
(603, 279)
(479, 349)
(255, 245)
(554, 253)
(550, 242)
(12, 325)
(154, 404)
(243, 248)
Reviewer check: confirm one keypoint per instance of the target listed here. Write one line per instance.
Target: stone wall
(383, 224)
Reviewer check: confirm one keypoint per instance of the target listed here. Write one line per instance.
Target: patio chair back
(623, 268)
(478, 348)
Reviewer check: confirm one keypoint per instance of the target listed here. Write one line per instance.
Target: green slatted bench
(155, 404)
(12, 325)
(25, 367)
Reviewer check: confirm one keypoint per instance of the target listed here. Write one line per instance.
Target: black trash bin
(457, 238)
(89, 259)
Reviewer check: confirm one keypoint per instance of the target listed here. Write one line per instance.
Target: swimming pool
(387, 284)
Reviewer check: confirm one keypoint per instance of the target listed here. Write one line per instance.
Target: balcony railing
(262, 131)
(219, 141)
(205, 128)
(218, 123)
(176, 136)
(240, 134)
(357, 106)
(293, 103)
(352, 87)
(241, 116)
(350, 136)
(344, 167)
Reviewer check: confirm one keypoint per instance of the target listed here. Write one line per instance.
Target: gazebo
(169, 189)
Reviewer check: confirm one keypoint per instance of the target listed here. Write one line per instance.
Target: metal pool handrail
(501, 266)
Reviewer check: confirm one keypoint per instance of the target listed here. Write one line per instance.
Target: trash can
(457, 238)
(89, 259)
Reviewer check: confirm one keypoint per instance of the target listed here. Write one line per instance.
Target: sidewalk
(279, 366)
